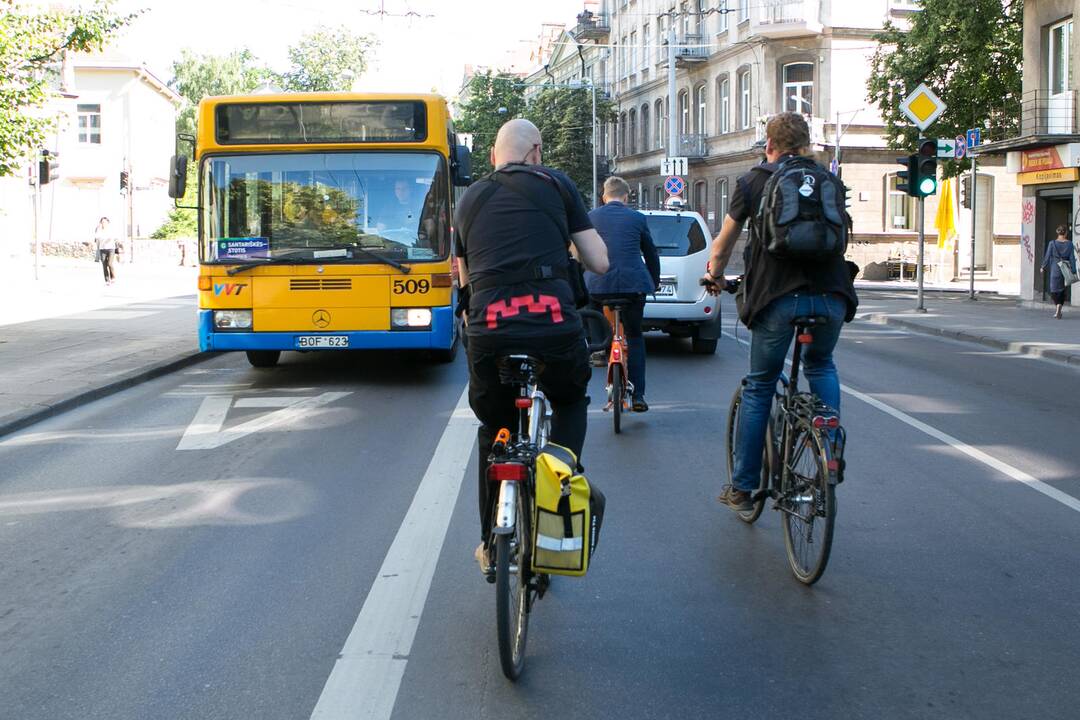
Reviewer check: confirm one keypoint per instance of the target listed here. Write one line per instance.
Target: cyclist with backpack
(795, 266)
(515, 228)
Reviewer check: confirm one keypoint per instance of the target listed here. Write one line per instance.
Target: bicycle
(512, 464)
(802, 463)
(620, 390)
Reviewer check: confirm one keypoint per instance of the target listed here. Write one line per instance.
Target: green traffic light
(928, 186)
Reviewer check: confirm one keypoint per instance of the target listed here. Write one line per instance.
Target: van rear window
(676, 235)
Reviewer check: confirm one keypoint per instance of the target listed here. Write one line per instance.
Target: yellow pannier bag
(569, 512)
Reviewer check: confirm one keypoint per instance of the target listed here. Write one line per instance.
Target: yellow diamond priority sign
(922, 107)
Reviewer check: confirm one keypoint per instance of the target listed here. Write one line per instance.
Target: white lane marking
(367, 675)
(205, 432)
(207, 423)
(959, 445)
(266, 402)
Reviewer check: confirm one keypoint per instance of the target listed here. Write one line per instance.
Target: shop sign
(1041, 177)
(1045, 158)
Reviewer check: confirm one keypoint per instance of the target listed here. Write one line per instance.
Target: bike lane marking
(367, 675)
(974, 453)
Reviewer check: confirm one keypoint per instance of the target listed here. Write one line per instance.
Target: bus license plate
(666, 290)
(322, 341)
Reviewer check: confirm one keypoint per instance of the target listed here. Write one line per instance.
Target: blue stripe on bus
(439, 337)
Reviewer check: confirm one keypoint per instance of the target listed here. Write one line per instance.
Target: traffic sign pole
(974, 218)
(922, 247)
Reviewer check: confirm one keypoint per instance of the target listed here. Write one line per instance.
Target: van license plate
(322, 341)
(666, 290)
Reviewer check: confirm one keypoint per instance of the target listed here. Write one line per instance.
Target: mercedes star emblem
(321, 318)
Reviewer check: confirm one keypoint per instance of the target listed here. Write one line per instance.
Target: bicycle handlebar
(730, 284)
(595, 321)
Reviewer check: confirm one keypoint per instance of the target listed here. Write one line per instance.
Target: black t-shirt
(768, 277)
(510, 234)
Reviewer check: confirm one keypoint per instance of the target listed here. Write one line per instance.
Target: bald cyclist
(513, 229)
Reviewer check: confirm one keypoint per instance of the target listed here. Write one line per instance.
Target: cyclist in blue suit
(633, 272)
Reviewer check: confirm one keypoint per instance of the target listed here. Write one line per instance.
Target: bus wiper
(292, 257)
(405, 269)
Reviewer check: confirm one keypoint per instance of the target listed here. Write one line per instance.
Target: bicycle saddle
(617, 303)
(810, 320)
(516, 368)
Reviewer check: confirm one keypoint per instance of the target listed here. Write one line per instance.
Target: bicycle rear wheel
(808, 502)
(512, 594)
(747, 516)
(618, 389)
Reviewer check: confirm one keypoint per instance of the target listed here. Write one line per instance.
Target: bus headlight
(410, 318)
(232, 319)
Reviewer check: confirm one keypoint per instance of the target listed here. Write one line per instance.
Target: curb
(1020, 348)
(123, 382)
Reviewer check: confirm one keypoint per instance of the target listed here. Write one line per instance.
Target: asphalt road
(173, 556)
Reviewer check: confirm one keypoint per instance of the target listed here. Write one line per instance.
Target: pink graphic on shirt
(530, 303)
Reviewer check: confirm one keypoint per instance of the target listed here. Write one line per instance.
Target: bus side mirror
(462, 166)
(178, 176)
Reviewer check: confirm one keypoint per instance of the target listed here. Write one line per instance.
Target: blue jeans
(772, 332)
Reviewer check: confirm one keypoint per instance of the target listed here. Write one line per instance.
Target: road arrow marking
(205, 431)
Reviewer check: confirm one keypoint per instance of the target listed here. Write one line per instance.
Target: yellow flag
(945, 220)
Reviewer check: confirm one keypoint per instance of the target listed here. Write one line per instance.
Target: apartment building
(737, 62)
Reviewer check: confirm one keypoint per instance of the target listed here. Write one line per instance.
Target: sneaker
(598, 359)
(735, 498)
(483, 558)
(640, 405)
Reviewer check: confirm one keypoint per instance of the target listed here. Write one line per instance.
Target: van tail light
(507, 472)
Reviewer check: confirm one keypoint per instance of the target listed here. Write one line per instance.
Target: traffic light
(48, 167)
(926, 184)
(908, 180)
(965, 192)
(125, 179)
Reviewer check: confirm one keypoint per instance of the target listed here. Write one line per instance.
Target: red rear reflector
(833, 465)
(507, 472)
(708, 309)
(523, 403)
(806, 338)
(441, 280)
(820, 421)
(205, 282)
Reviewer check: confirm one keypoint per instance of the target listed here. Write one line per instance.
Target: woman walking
(105, 242)
(1058, 250)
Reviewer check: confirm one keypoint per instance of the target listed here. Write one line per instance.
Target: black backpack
(803, 213)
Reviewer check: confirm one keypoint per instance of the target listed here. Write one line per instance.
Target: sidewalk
(996, 321)
(67, 339)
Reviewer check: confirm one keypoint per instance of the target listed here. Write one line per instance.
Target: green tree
(326, 59)
(198, 76)
(491, 100)
(32, 44)
(969, 52)
(564, 116)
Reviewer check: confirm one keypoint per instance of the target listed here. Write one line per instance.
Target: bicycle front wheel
(618, 389)
(512, 596)
(747, 516)
(808, 502)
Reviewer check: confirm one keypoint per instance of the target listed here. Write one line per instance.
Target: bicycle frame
(532, 417)
(618, 355)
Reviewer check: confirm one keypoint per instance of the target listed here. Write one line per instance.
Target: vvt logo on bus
(229, 288)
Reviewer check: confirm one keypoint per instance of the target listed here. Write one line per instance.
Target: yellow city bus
(324, 222)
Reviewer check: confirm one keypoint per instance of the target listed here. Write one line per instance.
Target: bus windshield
(350, 206)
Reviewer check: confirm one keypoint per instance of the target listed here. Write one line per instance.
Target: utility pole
(922, 237)
(36, 181)
(673, 135)
(595, 190)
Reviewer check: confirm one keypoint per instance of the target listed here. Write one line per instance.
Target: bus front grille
(320, 283)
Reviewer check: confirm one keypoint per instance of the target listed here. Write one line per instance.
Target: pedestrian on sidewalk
(1058, 250)
(105, 243)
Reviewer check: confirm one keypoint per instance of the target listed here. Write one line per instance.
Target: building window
(89, 124)
(645, 129)
(721, 18)
(624, 67)
(721, 203)
(642, 197)
(684, 112)
(632, 132)
(899, 208)
(647, 55)
(701, 199)
(633, 52)
(684, 13)
(699, 104)
(1059, 66)
(621, 150)
(723, 105)
(699, 16)
(659, 198)
(744, 10)
(660, 136)
(799, 88)
(744, 100)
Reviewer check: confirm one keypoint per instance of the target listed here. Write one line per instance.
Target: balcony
(689, 50)
(1044, 113)
(591, 26)
(786, 18)
(691, 146)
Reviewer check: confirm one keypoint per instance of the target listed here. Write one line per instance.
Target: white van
(682, 308)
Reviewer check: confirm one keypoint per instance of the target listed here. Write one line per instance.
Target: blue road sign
(961, 147)
(974, 138)
(674, 185)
